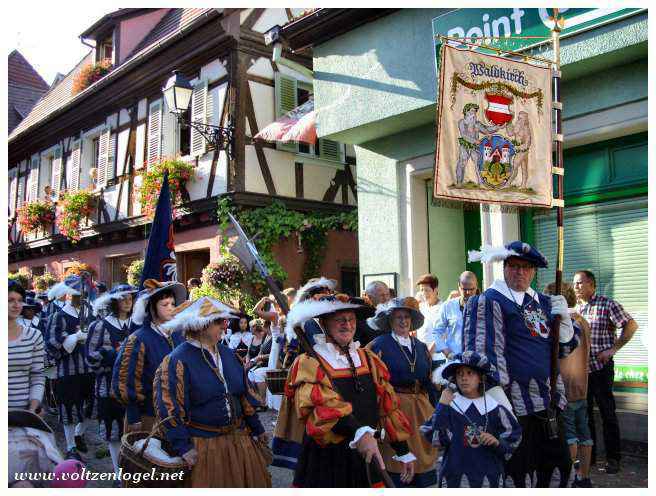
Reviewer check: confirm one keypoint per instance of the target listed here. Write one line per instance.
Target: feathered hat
(151, 288)
(517, 249)
(312, 286)
(382, 319)
(72, 285)
(473, 360)
(318, 306)
(116, 293)
(32, 304)
(196, 315)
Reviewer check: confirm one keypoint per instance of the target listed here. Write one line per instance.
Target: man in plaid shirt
(604, 316)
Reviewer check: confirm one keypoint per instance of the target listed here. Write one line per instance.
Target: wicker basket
(134, 461)
(275, 380)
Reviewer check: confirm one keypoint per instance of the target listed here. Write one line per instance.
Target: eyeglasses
(517, 268)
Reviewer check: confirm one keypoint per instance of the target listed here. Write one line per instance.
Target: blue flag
(159, 263)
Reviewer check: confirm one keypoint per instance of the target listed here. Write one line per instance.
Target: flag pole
(558, 166)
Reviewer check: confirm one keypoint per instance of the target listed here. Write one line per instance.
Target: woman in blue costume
(477, 433)
(203, 398)
(143, 351)
(409, 364)
(106, 335)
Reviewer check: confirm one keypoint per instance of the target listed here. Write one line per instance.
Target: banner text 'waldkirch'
(494, 131)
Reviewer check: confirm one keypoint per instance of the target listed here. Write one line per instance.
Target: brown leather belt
(228, 429)
(417, 388)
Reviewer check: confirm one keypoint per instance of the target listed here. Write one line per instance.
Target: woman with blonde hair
(204, 403)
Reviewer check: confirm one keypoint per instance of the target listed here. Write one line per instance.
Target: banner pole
(558, 108)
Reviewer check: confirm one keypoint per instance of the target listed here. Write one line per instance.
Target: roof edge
(325, 24)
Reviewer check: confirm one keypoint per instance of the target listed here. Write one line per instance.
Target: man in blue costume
(510, 324)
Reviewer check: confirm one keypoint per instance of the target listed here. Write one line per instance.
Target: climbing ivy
(276, 222)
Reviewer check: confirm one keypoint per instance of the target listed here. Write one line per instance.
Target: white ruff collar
(117, 323)
(333, 356)
(402, 341)
(512, 295)
(71, 310)
(463, 403)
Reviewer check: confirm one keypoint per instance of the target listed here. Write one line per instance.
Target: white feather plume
(490, 253)
(308, 309)
(322, 282)
(191, 320)
(60, 289)
(139, 309)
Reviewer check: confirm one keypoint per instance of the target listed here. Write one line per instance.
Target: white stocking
(69, 434)
(79, 429)
(114, 448)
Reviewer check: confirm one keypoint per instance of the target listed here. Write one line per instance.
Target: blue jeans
(575, 417)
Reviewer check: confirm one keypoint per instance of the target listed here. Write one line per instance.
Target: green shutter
(286, 100)
(331, 150)
(610, 239)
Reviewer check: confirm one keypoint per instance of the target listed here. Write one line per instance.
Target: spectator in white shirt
(429, 305)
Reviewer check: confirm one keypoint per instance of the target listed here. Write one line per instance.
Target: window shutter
(111, 158)
(56, 171)
(198, 114)
(21, 187)
(12, 194)
(33, 180)
(154, 132)
(286, 100)
(331, 150)
(75, 167)
(103, 157)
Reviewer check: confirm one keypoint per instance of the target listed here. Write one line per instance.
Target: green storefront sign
(511, 22)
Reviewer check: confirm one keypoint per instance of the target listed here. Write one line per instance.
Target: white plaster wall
(123, 117)
(269, 18)
(261, 67)
(497, 229)
(142, 109)
(121, 151)
(263, 103)
(140, 143)
(213, 71)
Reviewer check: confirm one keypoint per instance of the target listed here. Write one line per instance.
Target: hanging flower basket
(35, 216)
(44, 282)
(74, 206)
(89, 74)
(180, 173)
(77, 268)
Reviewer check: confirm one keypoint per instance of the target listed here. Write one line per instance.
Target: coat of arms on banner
(494, 138)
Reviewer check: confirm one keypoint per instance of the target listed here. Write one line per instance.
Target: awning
(297, 125)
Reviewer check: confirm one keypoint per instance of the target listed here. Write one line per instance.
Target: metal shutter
(610, 239)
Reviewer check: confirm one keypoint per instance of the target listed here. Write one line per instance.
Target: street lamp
(177, 93)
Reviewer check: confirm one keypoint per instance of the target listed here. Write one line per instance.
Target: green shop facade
(375, 87)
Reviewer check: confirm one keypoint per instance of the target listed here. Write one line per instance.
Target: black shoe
(80, 444)
(612, 467)
(74, 455)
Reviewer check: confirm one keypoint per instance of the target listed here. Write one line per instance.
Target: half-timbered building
(103, 137)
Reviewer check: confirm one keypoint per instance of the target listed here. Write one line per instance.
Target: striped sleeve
(93, 346)
(483, 332)
(171, 400)
(511, 434)
(56, 336)
(127, 375)
(37, 372)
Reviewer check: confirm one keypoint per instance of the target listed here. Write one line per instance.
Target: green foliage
(134, 272)
(44, 282)
(74, 206)
(234, 296)
(180, 173)
(275, 222)
(21, 278)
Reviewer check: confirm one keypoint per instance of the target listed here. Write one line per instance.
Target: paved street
(633, 474)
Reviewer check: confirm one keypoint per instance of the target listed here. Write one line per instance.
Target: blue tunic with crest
(516, 340)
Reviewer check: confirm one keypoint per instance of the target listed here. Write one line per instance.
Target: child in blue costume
(477, 433)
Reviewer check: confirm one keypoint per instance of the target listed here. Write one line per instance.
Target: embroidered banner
(494, 133)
